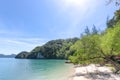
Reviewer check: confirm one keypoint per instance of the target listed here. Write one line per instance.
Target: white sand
(92, 72)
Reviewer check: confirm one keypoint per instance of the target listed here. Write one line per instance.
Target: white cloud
(17, 45)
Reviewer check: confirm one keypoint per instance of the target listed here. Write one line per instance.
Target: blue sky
(25, 24)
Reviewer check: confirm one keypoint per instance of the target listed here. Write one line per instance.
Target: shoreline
(93, 72)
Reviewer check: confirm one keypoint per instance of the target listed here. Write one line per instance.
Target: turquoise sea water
(26, 69)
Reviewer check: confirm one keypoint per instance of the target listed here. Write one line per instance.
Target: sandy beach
(93, 72)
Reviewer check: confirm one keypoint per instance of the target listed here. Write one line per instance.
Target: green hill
(54, 49)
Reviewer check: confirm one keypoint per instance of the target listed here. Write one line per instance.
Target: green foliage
(74, 59)
(112, 22)
(86, 49)
(110, 42)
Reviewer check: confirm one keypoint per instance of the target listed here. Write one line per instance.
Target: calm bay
(28, 69)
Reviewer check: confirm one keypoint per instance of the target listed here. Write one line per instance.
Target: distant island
(7, 56)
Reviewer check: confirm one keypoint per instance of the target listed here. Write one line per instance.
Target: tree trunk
(115, 64)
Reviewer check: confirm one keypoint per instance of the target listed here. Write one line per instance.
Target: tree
(94, 30)
(97, 48)
(114, 20)
(110, 45)
(87, 31)
(100, 48)
(116, 17)
(87, 48)
(117, 2)
(110, 23)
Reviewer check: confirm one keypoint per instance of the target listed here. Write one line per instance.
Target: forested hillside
(55, 49)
